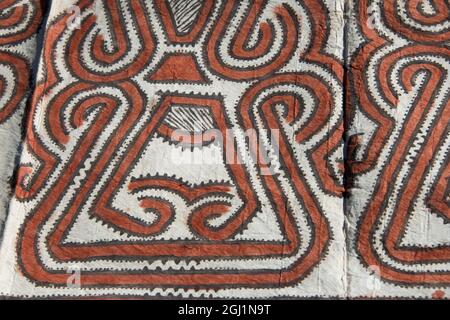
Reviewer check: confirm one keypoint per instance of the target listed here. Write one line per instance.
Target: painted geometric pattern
(233, 149)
